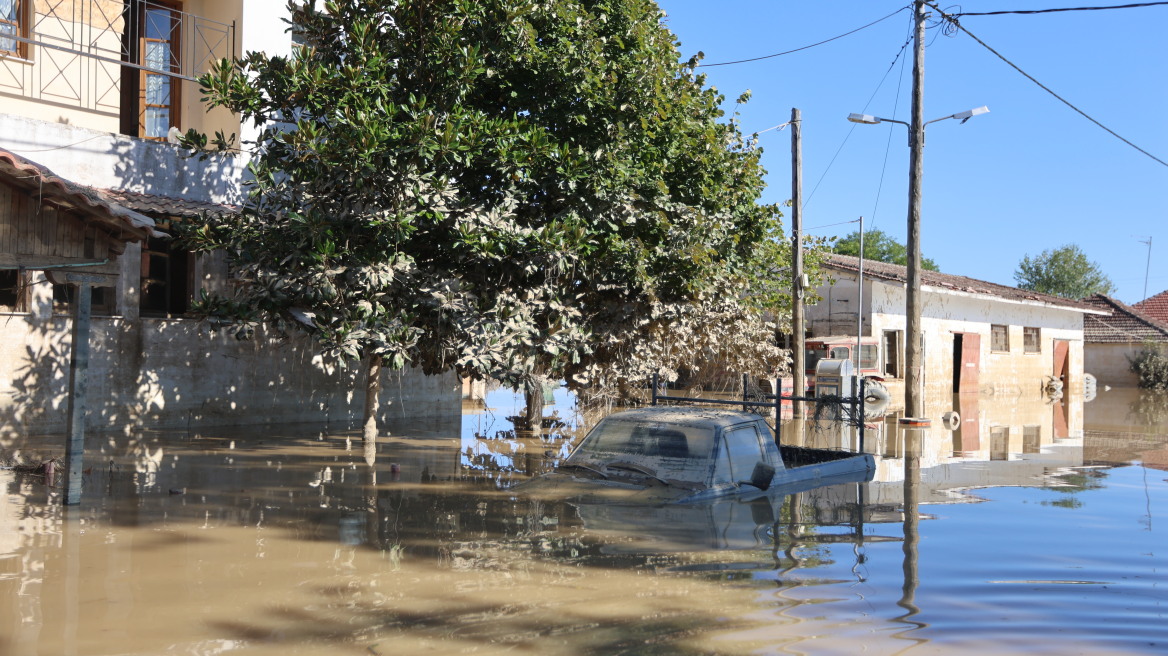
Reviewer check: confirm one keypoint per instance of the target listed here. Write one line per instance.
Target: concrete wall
(945, 313)
(1110, 365)
(176, 373)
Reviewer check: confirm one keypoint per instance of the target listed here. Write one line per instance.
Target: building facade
(1112, 342)
(978, 336)
(89, 92)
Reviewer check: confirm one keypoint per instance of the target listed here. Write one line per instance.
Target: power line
(787, 52)
(1051, 11)
(953, 21)
(853, 128)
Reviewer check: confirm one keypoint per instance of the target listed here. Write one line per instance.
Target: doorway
(966, 362)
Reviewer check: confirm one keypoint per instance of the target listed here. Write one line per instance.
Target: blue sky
(1029, 176)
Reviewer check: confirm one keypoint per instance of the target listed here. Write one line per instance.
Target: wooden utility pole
(913, 392)
(78, 383)
(798, 332)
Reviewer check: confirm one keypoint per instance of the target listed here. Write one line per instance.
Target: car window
(744, 450)
(674, 451)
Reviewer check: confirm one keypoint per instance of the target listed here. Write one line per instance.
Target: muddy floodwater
(1023, 527)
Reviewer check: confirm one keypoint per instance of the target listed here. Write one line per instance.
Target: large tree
(1064, 271)
(512, 189)
(880, 247)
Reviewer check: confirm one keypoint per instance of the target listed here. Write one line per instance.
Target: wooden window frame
(134, 81)
(168, 270)
(995, 346)
(23, 29)
(1031, 340)
(16, 291)
(104, 301)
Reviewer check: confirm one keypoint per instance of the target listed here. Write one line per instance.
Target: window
(166, 279)
(1000, 443)
(15, 20)
(1031, 340)
(12, 288)
(102, 301)
(740, 450)
(1000, 338)
(150, 100)
(1031, 439)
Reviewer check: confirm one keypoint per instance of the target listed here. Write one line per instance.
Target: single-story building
(977, 335)
(1111, 342)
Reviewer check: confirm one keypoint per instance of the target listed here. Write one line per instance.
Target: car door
(739, 450)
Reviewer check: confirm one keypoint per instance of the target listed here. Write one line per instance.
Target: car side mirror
(762, 475)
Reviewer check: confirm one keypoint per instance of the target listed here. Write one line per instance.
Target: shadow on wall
(175, 373)
(163, 169)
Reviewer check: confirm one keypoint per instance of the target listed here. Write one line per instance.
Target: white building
(977, 336)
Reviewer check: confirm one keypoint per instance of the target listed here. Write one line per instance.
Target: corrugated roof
(1155, 307)
(948, 281)
(123, 223)
(1125, 325)
(166, 206)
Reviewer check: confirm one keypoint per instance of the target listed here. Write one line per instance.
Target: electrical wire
(957, 25)
(853, 128)
(888, 142)
(787, 52)
(1051, 11)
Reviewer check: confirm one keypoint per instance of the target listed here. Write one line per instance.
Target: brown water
(1024, 533)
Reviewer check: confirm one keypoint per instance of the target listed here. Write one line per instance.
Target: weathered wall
(949, 312)
(1110, 365)
(175, 373)
(112, 161)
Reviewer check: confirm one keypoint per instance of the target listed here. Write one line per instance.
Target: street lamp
(913, 403)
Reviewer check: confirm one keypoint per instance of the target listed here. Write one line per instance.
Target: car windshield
(672, 452)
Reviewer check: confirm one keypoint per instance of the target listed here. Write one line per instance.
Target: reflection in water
(285, 542)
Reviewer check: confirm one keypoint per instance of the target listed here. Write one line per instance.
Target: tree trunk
(533, 395)
(372, 405)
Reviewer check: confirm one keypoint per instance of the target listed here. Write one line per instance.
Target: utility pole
(913, 392)
(798, 346)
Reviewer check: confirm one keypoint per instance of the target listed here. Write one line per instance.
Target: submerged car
(665, 454)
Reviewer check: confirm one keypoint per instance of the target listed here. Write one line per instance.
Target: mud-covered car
(684, 454)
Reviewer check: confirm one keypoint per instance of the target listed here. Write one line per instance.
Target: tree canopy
(1064, 271)
(880, 247)
(507, 188)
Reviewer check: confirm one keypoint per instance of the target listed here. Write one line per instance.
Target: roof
(684, 415)
(961, 284)
(122, 223)
(166, 206)
(1155, 307)
(1125, 325)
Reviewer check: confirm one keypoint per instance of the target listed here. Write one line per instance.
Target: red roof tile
(899, 273)
(1155, 307)
(1125, 325)
(166, 206)
(122, 223)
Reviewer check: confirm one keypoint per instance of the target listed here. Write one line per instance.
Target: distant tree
(880, 247)
(1064, 271)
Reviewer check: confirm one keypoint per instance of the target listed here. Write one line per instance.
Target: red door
(967, 361)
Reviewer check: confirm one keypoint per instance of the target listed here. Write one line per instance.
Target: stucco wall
(112, 161)
(1110, 365)
(58, 86)
(945, 313)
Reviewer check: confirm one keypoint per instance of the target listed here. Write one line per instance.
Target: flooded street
(1030, 528)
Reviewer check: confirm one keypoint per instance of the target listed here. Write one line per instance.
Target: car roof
(696, 416)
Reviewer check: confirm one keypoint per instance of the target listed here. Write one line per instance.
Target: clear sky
(1029, 176)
